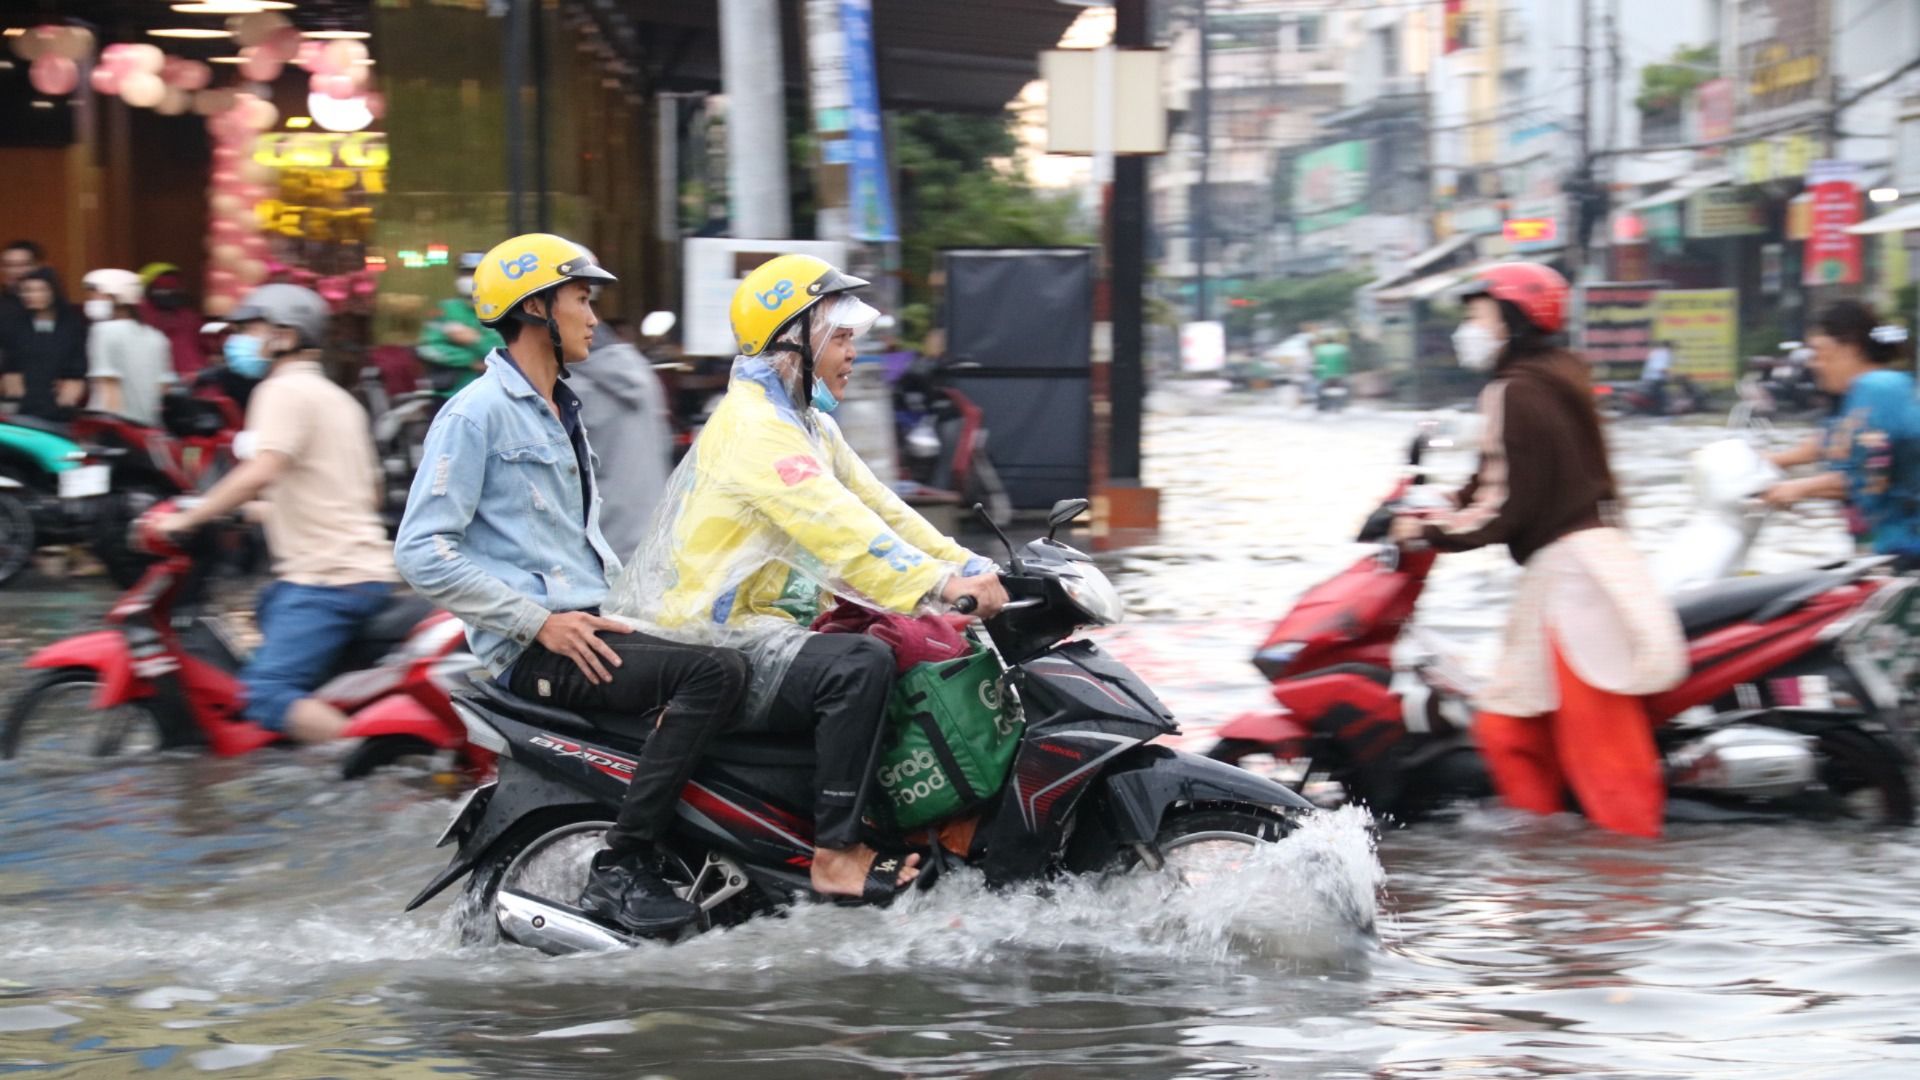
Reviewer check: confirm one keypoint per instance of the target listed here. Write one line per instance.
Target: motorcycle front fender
(1149, 779)
(519, 794)
(103, 651)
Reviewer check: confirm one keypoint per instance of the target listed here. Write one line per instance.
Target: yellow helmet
(525, 265)
(778, 291)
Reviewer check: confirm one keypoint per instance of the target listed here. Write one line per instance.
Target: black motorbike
(1087, 792)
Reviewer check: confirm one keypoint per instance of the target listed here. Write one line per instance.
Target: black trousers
(837, 688)
(678, 696)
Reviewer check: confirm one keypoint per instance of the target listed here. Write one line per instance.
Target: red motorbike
(150, 681)
(1788, 711)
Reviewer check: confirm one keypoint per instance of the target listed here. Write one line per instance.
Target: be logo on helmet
(774, 297)
(515, 269)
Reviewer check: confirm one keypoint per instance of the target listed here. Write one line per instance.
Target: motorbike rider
(1589, 633)
(168, 309)
(1870, 447)
(308, 449)
(457, 343)
(1655, 373)
(502, 528)
(129, 364)
(769, 512)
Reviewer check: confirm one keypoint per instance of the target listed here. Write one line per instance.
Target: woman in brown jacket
(1589, 633)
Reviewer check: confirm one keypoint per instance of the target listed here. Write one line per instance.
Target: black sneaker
(626, 891)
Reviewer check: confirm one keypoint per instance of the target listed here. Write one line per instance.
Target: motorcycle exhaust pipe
(552, 928)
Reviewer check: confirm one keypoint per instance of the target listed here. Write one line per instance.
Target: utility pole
(1201, 231)
(1127, 279)
(751, 74)
(1579, 186)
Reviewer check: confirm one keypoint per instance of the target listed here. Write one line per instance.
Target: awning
(1900, 220)
(1425, 259)
(1423, 289)
(1682, 188)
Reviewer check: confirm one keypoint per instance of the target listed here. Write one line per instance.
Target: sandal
(882, 883)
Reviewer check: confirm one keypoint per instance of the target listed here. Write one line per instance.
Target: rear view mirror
(657, 324)
(1064, 512)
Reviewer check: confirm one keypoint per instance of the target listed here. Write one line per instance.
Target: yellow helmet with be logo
(525, 265)
(777, 292)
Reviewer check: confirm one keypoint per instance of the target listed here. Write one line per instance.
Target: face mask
(463, 285)
(243, 355)
(166, 299)
(98, 310)
(1475, 346)
(823, 398)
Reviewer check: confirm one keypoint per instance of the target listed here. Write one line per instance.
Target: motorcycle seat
(1714, 606)
(62, 428)
(393, 623)
(753, 748)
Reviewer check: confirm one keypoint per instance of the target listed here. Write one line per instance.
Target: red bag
(913, 639)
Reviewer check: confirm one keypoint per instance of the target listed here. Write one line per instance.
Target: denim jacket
(495, 529)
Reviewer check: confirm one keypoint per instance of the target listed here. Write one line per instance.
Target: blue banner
(869, 186)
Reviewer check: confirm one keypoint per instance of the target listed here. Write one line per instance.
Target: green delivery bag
(948, 743)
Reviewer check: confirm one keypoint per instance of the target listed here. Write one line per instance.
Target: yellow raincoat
(769, 513)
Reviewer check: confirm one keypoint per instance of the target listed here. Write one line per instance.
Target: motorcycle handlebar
(966, 605)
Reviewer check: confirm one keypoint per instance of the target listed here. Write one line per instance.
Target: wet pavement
(242, 917)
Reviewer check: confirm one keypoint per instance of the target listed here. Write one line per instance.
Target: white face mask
(1475, 346)
(98, 310)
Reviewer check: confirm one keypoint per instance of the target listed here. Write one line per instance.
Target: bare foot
(843, 871)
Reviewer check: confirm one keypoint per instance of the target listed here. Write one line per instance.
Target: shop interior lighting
(412, 260)
(376, 263)
(231, 7)
(228, 60)
(337, 35)
(1884, 194)
(297, 123)
(333, 114)
(16, 31)
(194, 33)
(436, 254)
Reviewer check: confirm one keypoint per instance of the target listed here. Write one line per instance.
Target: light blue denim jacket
(495, 530)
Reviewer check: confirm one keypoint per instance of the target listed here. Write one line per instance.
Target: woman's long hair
(1531, 352)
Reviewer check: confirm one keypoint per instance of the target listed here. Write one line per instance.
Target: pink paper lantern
(377, 105)
(219, 305)
(185, 74)
(221, 281)
(212, 103)
(30, 46)
(325, 60)
(252, 272)
(307, 56)
(144, 57)
(285, 43)
(53, 75)
(337, 87)
(260, 63)
(142, 89)
(105, 81)
(75, 43)
(226, 231)
(176, 103)
(115, 57)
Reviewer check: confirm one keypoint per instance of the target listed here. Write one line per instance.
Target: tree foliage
(1664, 87)
(1290, 303)
(954, 192)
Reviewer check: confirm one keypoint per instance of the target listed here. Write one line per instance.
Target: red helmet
(1538, 291)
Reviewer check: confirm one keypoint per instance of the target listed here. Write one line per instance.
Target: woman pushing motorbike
(1589, 633)
(1869, 449)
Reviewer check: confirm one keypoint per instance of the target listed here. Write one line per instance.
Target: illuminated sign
(1534, 230)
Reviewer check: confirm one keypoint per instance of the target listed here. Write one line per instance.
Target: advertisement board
(1617, 327)
(1833, 253)
(1704, 327)
(1780, 59)
(1203, 346)
(1717, 212)
(1330, 186)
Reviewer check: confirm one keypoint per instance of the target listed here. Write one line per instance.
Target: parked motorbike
(1331, 395)
(1789, 711)
(1088, 790)
(150, 681)
(1786, 387)
(943, 437)
(53, 490)
(1636, 398)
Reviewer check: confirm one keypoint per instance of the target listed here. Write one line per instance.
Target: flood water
(183, 916)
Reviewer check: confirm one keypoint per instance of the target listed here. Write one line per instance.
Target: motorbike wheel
(53, 722)
(549, 856)
(17, 537)
(1865, 778)
(380, 751)
(1201, 845)
(110, 542)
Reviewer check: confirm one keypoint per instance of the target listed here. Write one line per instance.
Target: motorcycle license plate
(85, 481)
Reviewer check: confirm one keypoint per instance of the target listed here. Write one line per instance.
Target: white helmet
(123, 285)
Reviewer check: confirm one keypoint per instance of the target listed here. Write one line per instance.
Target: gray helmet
(287, 305)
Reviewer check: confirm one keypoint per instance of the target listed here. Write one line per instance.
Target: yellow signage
(1704, 327)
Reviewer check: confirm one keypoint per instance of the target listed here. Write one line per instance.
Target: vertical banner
(1833, 253)
(869, 188)
(1453, 23)
(1704, 327)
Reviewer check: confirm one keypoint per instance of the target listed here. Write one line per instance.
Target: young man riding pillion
(769, 514)
(503, 529)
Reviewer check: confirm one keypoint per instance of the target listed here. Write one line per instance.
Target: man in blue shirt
(1870, 447)
(503, 529)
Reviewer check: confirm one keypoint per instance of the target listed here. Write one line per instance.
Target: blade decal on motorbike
(1034, 805)
(617, 767)
(1095, 683)
(718, 806)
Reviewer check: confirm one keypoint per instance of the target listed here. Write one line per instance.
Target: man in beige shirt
(307, 448)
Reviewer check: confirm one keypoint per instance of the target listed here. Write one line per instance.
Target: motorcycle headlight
(1094, 595)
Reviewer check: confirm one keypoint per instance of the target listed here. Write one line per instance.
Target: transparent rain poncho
(771, 515)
